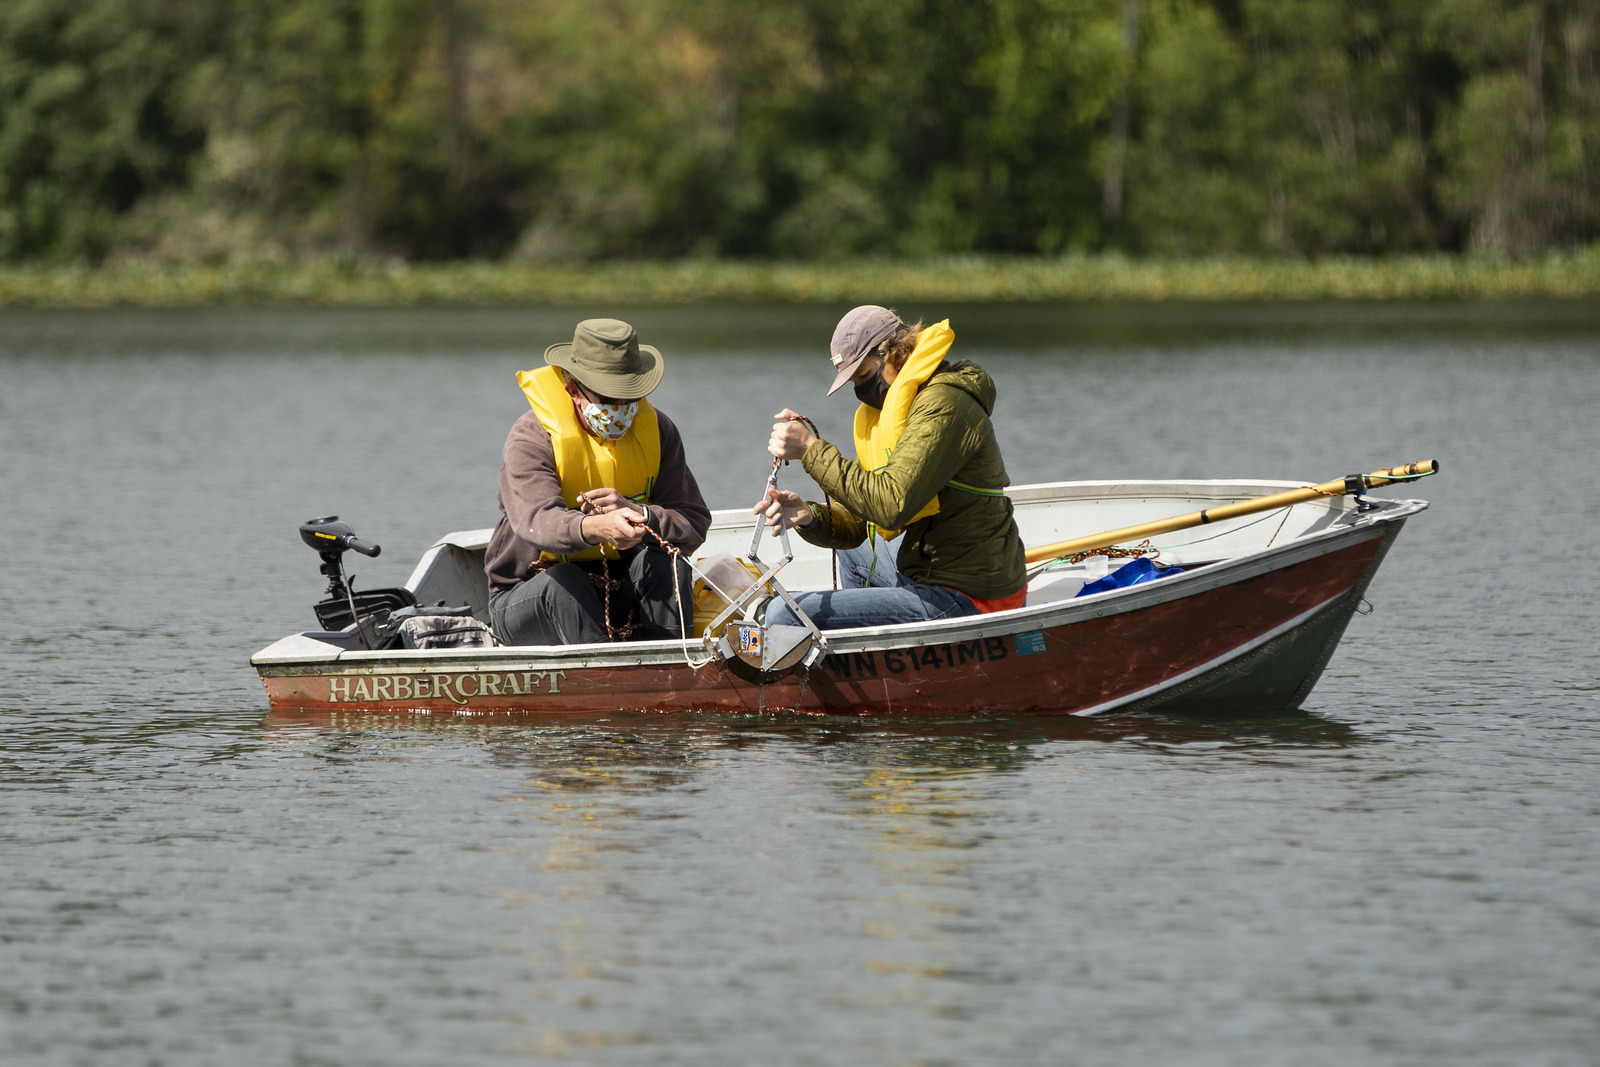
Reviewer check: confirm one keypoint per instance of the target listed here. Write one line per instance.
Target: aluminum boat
(1248, 625)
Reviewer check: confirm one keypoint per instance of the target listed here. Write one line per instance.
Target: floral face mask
(609, 422)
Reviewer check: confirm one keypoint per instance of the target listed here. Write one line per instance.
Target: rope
(1279, 530)
(625, 631)
(1319, 492)
(1141, 549)
(674, 554)
(1225, 533)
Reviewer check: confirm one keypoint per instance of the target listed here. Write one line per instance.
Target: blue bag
(1132, 572)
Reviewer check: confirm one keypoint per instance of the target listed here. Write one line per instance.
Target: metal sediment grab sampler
(768, 650)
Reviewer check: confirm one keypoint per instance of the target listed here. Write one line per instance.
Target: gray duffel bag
(437, 626)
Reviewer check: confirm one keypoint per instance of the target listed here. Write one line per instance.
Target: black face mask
(872, 391)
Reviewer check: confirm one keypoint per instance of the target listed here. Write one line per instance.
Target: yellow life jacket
(629, 464)
(878, 431)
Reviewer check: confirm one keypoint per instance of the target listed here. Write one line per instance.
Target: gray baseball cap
(858, 333)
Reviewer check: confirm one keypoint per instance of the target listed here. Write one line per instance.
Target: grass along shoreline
(1573, 275)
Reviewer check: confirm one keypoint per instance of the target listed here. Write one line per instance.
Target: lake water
(1405, 872)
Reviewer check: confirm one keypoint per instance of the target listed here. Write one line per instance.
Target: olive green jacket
(972, 544)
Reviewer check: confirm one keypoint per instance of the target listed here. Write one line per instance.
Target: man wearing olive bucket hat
(927, 477)
(592, 480)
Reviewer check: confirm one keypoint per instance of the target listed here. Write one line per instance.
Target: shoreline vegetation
(1089, 278)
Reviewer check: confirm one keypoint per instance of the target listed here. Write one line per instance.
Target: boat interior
(452, 569)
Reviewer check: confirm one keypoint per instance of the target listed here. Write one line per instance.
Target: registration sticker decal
(1029, 642)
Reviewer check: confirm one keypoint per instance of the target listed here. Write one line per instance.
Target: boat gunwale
(1355, 527)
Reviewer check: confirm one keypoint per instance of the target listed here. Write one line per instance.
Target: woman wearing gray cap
(592, 480)
(927, 471)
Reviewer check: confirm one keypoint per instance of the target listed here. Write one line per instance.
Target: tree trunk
(1119, 120)
(457, 149)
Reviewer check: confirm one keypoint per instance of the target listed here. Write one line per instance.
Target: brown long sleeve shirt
(534, 516)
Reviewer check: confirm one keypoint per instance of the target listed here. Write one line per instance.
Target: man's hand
(622, 528)
(782, 508)
(790, 436)
(600, 501)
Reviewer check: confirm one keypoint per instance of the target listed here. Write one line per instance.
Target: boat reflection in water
(571, 750)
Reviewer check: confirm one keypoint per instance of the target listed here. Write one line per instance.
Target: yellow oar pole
(1354, 483)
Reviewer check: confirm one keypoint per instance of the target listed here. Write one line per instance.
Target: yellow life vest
(629, 464)
(878, 431)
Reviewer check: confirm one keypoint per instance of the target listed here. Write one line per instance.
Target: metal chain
(623, 632)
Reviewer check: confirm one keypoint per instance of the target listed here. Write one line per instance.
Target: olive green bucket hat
(606, 357)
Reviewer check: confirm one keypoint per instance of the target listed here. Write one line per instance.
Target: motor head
(330, 535)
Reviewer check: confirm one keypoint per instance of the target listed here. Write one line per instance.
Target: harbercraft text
(458, 688)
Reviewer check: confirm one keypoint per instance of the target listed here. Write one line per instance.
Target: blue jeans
(872, 592)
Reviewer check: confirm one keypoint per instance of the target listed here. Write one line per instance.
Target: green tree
(1522, 139)
(570, 130)
(88, 122)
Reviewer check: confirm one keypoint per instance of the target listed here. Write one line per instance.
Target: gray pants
(560, 606)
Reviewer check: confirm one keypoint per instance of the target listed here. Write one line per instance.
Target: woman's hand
(782, 508)
(622, 528)
(600, 501)
(790, 436)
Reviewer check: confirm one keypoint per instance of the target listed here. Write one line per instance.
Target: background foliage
(561, 131)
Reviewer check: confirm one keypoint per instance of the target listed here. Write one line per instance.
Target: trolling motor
(342, 605)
